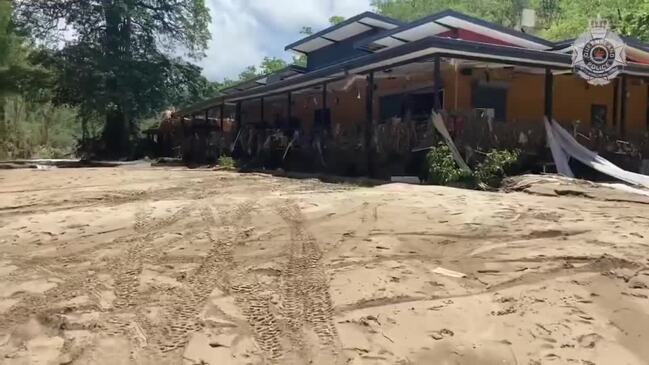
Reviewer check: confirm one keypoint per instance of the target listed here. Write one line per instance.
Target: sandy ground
(172, 266)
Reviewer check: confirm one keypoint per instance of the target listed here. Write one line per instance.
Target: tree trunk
(116, 135)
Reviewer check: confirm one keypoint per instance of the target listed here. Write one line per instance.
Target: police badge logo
(599, 54)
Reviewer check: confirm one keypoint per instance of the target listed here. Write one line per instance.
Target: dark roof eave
(445, 13)
(449, 45)
(296, 68)
(367, 14)
(636, 43)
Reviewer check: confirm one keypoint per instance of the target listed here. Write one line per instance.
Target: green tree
(271, 65)
(117, 63)
(336, 19)
(635, 22)
(21, 124)
(17, 74)
(557, 19)
(505, 12)
(248, 73)
(268, 66)
(571, 17)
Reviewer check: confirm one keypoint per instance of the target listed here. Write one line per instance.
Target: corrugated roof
(349, 28)
(449, 20)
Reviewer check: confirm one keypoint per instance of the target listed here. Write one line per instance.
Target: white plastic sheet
(570, 147)
(438, 122)
(558, 154)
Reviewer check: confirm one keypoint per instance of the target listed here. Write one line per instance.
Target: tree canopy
(556, 19)
(117, 59)
(505, 12)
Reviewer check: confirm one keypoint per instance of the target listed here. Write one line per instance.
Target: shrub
(495, 166)
(442, 168)
(227, 162)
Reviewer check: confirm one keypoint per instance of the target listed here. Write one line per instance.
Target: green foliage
(31, 129)
(118, 64)
(557, 19)
(271, 65)
(495, 166)
(634, 22)
(570, 18)
(268, 66)
(505, 12)
(442, 169)
(29, 125)
(227, 162)
(336, 19)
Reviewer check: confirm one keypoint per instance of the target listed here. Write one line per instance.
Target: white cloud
(246, 31)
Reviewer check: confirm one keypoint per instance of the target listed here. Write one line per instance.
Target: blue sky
(246, 31)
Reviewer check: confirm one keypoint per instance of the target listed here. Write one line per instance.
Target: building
(362, 103)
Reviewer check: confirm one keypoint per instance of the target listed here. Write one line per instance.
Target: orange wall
(572, 100)
(526, 98)
(637, 106)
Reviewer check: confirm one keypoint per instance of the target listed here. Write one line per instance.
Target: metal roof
(422, 49)
(414, 43)
(285, 73)
(349, 28)
(450, 20)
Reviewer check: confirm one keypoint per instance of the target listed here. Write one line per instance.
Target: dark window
(488, 97)
(420, 105)
(598, 115)
(322, 119)
(423, 104)
(392, 106)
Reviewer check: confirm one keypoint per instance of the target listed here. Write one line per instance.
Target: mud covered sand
(172, 266)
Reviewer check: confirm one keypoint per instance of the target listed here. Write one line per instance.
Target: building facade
(365, 96)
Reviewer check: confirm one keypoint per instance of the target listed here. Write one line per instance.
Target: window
(392, 106)
(419, 104)
(598, 115)
(489, 97)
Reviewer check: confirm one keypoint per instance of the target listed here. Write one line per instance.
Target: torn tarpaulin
(564, 144)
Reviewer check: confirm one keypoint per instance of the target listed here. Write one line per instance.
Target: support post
(324, 104)
(437, 87)
(624, 101)
(369, 123)
(207, 116)
(289, 109)
(222, 115)
(262, 110)
(616, 103)
(549, 94)
(237, 118)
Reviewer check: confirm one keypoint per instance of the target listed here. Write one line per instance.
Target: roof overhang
(416, 51)
(422, 50)
(283, 74)
(347, 29)
(451, 20)
(636, 51)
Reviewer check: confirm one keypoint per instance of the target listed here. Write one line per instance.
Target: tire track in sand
(218, 270)
(305, 294)
(126, 270)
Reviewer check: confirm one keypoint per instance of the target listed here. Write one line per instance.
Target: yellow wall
(572, 100)
(526, 98)
(637, 106)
